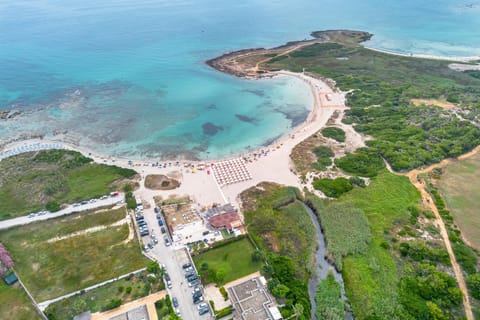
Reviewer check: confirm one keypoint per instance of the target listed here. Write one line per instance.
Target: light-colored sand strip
(87, 231)
(149, 301)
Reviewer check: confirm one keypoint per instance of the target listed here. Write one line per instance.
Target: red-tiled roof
(224, 220)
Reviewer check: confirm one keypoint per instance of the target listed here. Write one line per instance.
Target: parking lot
(176, 262)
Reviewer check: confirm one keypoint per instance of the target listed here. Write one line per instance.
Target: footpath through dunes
(427, 199)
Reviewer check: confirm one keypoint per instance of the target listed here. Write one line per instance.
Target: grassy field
(15, 304)
(460, 185)
(51, 269)
(235, 259)
(370, 271)
(371, 279)
(31, 180)
(100, 299)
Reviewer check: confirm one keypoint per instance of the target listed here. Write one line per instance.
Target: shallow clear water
(128, 77)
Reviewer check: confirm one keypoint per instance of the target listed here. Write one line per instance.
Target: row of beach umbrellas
(230, 171)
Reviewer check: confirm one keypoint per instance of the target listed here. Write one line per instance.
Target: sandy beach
(271, 163)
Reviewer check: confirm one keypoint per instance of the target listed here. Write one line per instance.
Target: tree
(256, 256)
(280, 291)
(153, 267)
(220, 275)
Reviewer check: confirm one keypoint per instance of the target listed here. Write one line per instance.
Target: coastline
(463, 59)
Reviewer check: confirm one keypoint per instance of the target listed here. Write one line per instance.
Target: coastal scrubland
(54, 257)
(382, 87)
(384, 277)
(281, 227)
(47, 179)
(227, 262)
(15, 304)
(328, 299)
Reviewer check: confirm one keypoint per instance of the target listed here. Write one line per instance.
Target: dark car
(175, 302)
(197, 294)
(144, 233)
(192, 278)
(163, 230)
(156, 210)
(160, 222)
(202, 311)
(186, 265)
(197, 299)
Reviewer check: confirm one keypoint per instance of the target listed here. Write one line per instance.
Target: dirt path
(428, 201)
(89, 230)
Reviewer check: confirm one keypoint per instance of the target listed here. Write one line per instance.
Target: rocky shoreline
(245, 63)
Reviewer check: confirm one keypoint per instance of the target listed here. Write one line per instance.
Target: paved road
(5, 224)
(168, 256)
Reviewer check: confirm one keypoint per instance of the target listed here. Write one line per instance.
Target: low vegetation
(364, 162)
(47, 179)
(328, 299)
(334, 133)
(106, 297)
(51, 267)
(385, 279)
(283, 230)
(345, 227)
(228, 262)
(333, 188)
(15, 304)
(382, 87)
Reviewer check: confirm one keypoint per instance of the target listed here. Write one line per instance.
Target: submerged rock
(211, 129)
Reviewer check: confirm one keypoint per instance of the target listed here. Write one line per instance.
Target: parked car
(192, 277)
(202, 305)
(168, 280)
(188, 274)
(202, 311)
(160, 222)
(163, 230)
(175, 302)
(156, 210)
(197, 299)
(186, 265)
(194, 283)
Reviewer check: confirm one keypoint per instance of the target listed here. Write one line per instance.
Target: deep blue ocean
(128, 78)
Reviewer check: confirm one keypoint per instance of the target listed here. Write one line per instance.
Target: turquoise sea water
(128, 77)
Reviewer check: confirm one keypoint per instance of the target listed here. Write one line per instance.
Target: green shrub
(224, 293)
(128, 290)
(466, 257)
(333, 187)
(114, 303)
(334, 133)
(356, 181)
(473, 282)
(323, 152)
(52, 206)
(364, 162)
